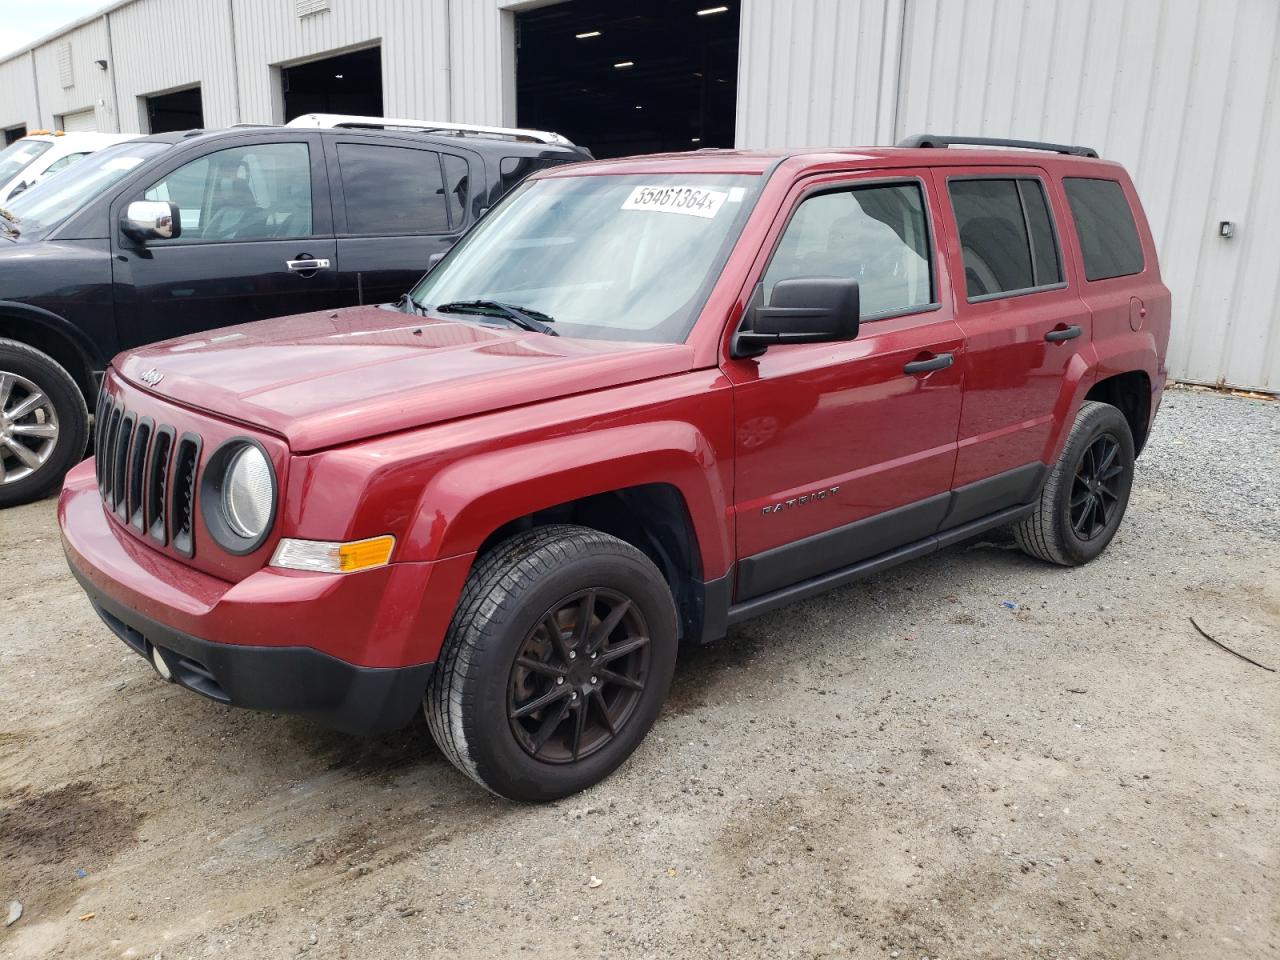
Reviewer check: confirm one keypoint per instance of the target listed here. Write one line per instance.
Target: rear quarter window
(1104, 223)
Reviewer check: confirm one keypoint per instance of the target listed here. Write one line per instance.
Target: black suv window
(392, 190)
(1104, 223)
(1006, 236)
(259, 192)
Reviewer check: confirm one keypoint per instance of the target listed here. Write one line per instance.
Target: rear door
(1024, 323)
(257, 241)
(396, 204)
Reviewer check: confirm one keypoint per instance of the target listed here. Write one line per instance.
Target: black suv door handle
(1067, 333)
(307, 264)
(940, 362)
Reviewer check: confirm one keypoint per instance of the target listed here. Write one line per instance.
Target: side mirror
(145, 220)
(802, 310)
(17, 190)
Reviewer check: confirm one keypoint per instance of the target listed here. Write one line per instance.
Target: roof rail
(933, 140)
(445, 127)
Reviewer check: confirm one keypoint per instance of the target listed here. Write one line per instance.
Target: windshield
(51, 201)
(18, 154)
(608, 257)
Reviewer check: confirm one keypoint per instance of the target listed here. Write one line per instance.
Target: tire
(1079, 511)
(513, 597)
(33, 463)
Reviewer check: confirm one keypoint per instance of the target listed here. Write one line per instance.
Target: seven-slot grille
(147, 474)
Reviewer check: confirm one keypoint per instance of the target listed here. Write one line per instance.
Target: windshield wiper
(532, 320)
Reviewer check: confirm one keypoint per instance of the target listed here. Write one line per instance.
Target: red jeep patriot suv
(640, 401)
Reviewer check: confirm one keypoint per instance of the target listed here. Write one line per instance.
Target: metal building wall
(1184, 93)
(412, 35)
(817, 72)
(164, 45)
(91, 87)
(18, 93)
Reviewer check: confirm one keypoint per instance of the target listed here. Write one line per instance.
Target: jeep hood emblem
(151, 377)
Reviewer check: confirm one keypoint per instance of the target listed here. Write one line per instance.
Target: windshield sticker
(691, 201)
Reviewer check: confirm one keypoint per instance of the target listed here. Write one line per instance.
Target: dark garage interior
(180, 110)
(348, 83)
(624, 78)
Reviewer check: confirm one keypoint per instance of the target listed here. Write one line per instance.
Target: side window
(1006, 236)
(63, 162)
(876, 235)
(260, 192)
(456, 189)
(392, 190)
(1108, 236)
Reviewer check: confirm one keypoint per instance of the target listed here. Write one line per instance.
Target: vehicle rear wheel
(559, 657)
(44, 425)
(1085, 496)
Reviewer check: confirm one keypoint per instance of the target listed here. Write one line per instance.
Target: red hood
(320, 379)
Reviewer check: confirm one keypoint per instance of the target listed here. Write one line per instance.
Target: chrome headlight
(238, 496)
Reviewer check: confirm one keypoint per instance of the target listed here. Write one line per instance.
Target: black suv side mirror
(802, 310)
(145, 220)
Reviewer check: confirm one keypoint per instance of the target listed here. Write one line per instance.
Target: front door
(846, 450)
(256, 242)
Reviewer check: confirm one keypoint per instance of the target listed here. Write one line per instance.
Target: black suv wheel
(556, 664)
(1084, 499)
(44, 425)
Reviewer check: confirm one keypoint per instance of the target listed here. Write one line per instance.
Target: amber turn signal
(323, 556)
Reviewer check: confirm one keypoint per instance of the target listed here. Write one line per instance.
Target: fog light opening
(162, 666)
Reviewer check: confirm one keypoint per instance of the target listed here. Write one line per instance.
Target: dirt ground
(903, 768)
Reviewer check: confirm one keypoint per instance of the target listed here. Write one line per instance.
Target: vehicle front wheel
(1084, 498)
(559, 657)
(44, 425)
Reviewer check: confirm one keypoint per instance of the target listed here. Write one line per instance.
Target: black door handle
(940, 362)
(1068, 333)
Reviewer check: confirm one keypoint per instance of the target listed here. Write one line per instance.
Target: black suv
(177, 233)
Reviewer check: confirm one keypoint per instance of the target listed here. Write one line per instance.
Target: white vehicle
(446, 127)
(43, 153)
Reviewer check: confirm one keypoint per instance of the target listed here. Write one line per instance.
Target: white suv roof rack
(446, 127)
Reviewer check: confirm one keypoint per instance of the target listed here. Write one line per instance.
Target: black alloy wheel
(578, 676)
(1096, 490)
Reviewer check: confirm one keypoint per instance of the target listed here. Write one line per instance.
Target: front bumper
(353, 652)
(337, 694)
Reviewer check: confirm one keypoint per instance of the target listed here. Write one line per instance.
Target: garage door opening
(180, 110)
(14, 133)
(621, 80)
(82, 121)
(348, 83)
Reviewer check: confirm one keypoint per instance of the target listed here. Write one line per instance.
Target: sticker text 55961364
(691, 201)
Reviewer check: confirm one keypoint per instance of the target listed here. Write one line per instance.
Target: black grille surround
(147, 474)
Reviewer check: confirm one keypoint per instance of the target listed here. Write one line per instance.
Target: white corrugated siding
(18, 94)
(1184, 93)
(817, 72)
(163, 45)
(90, 88)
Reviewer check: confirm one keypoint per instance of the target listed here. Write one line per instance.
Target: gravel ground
(902, 769)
